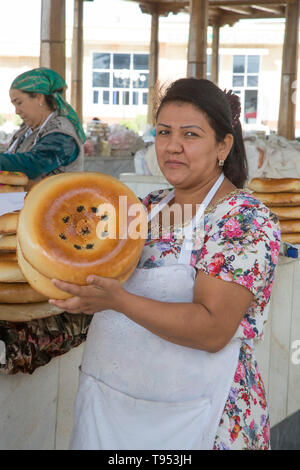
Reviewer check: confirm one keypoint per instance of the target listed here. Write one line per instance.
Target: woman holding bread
(51, 138)
(169, 359)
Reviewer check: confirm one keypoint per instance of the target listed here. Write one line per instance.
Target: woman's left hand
(100, 294)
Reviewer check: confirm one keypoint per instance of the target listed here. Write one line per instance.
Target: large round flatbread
(13, 178)
(27, 312)
(293, 238)
(10, 272)
(40, 283)
(8, 188)
(8, 223)
(285, 213)
(8, 256)
(278, 199)
(290, 226)
(66, 228)
(19, 293)
(8, 243)
(275, 185)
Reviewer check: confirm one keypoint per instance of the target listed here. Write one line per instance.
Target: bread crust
(8, 243)
(8, 223)
(286, 213)
(290, 226)
(19, 293)
(8, 256)
(13, 178)
(275, 185)
(10, 272)
(293, 238)
(37, 281)
(278, 199)
(7, 188)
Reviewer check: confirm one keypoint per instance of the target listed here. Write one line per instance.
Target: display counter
(276, 355)
(110, 165)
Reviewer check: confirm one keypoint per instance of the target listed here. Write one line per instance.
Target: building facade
(115, 63)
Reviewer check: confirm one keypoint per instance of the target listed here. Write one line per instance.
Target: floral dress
(240, 243)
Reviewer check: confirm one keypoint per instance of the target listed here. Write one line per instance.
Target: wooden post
(53, 51)
(197, 47)
(287, 108)
(214, 74)
(153, 65)
(77, 58)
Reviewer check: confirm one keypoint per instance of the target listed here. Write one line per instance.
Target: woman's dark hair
(50, 100)
(214, 103)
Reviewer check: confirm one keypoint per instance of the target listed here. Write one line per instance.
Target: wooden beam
(287, 107)
(53, 36)
(240, 11)
(268, 9)
(153, 67)
(219, 3)
(197, 46)
(214, 73)
(77, 58)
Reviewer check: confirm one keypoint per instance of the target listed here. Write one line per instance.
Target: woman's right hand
(100, 294)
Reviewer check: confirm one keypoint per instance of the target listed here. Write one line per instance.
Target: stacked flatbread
(12, 181)
(281, 196)
(14, 288)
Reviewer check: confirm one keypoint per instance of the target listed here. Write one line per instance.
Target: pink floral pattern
(241, 244)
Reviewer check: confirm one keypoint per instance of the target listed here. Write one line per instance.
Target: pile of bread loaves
(70, 226)
(12, 181)
(14, 288)
(281, 196)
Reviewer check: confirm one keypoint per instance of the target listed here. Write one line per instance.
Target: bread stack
(12, 181)
(281, 196)
(14, 288)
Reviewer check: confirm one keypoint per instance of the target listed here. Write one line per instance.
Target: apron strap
(187, 246)
(156, 209)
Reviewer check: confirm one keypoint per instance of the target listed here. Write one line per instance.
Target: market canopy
(220, 12)
(203, 13)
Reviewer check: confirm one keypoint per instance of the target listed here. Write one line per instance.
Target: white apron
(139, 391)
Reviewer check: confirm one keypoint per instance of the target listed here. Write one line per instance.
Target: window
(208, 67)
(245, 77)
(120, 79)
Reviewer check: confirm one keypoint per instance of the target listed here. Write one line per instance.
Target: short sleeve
(241, 244)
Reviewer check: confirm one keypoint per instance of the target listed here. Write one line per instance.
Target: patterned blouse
(240, 244)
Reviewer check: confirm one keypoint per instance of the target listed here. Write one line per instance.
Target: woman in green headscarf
(51, 138)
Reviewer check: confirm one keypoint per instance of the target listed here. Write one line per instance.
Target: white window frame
(242, 89)
(111, 89)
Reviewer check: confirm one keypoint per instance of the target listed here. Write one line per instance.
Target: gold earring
(41, 105)
(221, 162)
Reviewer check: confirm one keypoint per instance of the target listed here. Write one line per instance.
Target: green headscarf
(48, 82)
